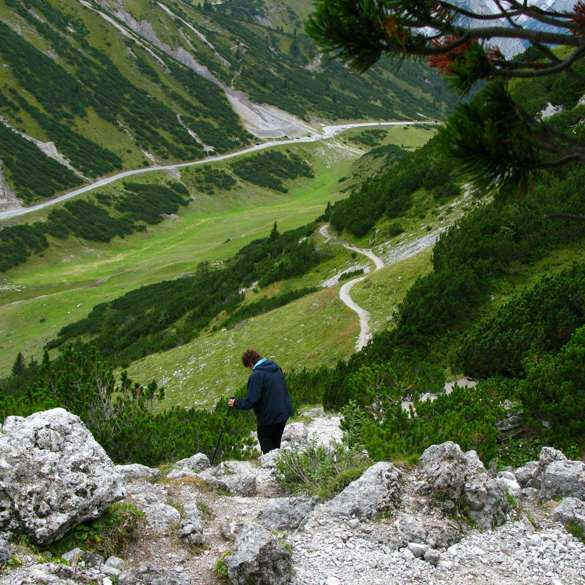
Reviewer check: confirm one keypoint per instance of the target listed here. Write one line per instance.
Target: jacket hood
(266, 366)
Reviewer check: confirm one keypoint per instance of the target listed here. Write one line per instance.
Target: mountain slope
(98, 86)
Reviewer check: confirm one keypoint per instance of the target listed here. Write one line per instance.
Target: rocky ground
(447, 520)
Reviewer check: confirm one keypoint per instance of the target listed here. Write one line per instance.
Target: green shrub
(394, 230)
(271, 169)
(119, 413)
(554, 390)
(535, 321)
(109, 535)
(220, 568)
(318, 471)
(351, 274)
(576, 529)
(437, 302)
(468, 416)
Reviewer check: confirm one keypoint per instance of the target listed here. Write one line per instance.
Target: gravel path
(327, 132)
(344, 292)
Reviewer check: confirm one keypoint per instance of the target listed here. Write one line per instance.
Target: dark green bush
(437, 302)
(119, 413)
(271, 169)
(468, 417)
(554, 390)
(538, 320)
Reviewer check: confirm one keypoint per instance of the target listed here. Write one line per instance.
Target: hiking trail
(344, 292)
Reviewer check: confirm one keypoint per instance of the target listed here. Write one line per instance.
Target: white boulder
(54, 474)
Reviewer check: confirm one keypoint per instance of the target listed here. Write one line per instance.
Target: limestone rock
(487, 502)
(113, 567)
(230, 529)
(295, 433)
(115, 562)
(54, 473)
(417, 549)
(137, 471)
(147, 575)
(432, 556)
(268, 460)
(236, 477)
(161, 519)
(5, 552)
(459, 480)
(194, 464)
(266, 484)
(529, 475)
(378, 489)
(548, 455)
(180, 473)
(286, 513)
(8, 520)
(52, 574)
(570, 510)
(428, 528)
(509, 482)
(444, 469)
(80, 558)
(563, 479)
(192, 525)
(258, 558)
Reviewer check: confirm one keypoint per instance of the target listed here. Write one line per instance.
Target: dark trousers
(270, 436)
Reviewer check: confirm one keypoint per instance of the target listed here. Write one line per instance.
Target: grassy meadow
(72, 276)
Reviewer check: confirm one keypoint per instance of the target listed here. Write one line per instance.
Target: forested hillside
(115, 85)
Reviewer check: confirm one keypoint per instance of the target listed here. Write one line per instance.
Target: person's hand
(231, 402)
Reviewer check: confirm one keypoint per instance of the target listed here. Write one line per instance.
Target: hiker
(268, 396)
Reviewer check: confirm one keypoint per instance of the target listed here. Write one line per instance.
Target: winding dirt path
(344, 292)
(327, 132)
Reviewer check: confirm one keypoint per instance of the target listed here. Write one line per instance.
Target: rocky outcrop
(458, 482)
(149, 575)
(5, 552)
(192, 525)
(571, 511)
(53, 574)
(553, 475)
(286, 513)
(563, 479)
(53, 475)
(161, 518)
(427, 532)
(137, 471)
(428, 527)
(377, 490)
(189, 467)
(259, 558)
(235, 477)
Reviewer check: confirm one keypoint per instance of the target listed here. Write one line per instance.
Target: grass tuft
(317, 471)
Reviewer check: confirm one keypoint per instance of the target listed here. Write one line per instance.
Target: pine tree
(18, 367)
(492, 139)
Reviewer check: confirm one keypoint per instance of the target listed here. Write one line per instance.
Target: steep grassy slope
(314, 331)
(119, 84)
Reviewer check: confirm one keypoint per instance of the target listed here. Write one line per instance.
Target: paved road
(328, 132)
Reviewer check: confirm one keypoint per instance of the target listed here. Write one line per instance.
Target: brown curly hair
(250, 357)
